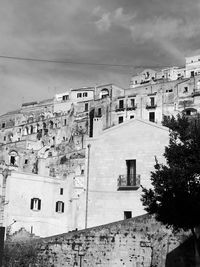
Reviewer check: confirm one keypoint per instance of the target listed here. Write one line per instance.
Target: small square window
(127, 215)
(79, 95)
(85, 94)
(61, 191)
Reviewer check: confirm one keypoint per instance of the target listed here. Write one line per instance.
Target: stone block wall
(140, 241)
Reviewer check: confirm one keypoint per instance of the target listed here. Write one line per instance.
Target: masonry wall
(140, 241)
(132, 140)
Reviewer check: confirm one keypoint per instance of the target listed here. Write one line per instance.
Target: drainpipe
(87, 186)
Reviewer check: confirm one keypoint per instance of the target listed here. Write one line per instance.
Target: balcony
(118, 109)
(128, 182)
(131, 108)
(151, 106)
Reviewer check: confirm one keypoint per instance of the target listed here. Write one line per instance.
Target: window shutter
(32, 203)
(57, 206)
(39, 204)
(63, 206)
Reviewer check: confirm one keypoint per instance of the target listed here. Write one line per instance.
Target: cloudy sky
(140, 33)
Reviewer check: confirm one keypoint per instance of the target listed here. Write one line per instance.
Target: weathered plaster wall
(140, 241)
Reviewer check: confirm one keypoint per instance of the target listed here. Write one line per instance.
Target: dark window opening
(131, 172)
(82, 172)
(121, 103)
(152, 101)
(127, 215)
(65, 122)
(152, 116)
(133, 102)
(59, 206)
(61, 191)
(4, 138)
(188, 112)
(86, 106)
(3, 125)
(35, 204)
(132, 117)
(120, 119)
(99, 112)
(192, 73)
(12, 160)
(91, 116)
(65, 97)
(185, 89)
(26, 161)
(79, 95)
(85, 94)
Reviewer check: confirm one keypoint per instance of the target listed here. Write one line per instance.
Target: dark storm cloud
(138, 32)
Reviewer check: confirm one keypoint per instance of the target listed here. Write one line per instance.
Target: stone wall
(140, 241)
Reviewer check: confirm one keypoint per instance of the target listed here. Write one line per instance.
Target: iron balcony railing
(128, 182)
(132, 107)
(151, 106)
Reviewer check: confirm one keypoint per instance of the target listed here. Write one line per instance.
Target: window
(35, 204)
(127, 215)
(59, 206)
(65, 122)
(131, 172)
(85, 94)
(61, 191)
(121, 103)
(120, 119)
(12, 160)
(65, 97)
(133, 102)
(86, 106)
(3, 125)
(99, 112)
(188, 112)
(192, 73)
(79, 95)
(132, 117)
(26, 161)
(4, 138)
(152, 101)
(185, 89)
(152, 116)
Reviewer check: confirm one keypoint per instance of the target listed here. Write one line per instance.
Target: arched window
(13, 157)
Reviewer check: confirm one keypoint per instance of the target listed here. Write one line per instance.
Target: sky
(139, 33)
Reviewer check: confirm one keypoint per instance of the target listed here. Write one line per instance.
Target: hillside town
(78, 160)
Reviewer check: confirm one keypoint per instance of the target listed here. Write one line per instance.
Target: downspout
(87, 186)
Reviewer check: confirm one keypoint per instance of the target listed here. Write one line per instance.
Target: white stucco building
(120, 160)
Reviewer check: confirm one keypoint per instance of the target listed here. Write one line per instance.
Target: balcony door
(131, 172)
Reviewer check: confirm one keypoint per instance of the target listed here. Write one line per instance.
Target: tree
(174, 198)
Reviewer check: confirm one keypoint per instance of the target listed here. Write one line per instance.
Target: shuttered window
(60, 206)
(35, 204)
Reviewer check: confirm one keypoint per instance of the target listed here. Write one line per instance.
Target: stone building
(44, 145)
(118, 161)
